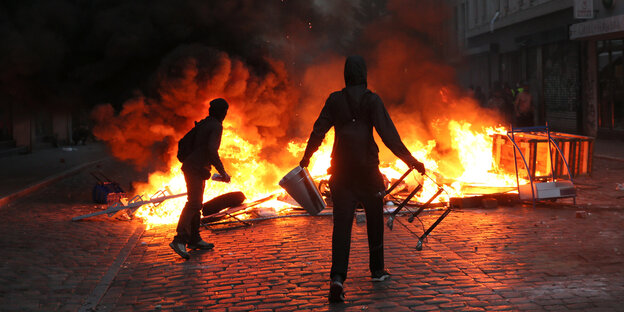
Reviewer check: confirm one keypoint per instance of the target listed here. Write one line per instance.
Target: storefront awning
(604, 28)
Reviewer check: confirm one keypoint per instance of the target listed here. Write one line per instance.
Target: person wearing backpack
(198, 151)
(355, 177)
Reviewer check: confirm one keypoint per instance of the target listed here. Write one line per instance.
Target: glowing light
(257, 176)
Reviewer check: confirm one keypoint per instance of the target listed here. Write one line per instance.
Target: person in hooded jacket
(196, 169)
(355, 177)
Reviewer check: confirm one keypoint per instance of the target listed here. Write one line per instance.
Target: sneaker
(180, 249)
(336, 292)
(201, 245)
(380, 276)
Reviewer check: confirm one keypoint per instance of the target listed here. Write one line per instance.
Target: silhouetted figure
(196, 169)
(508, 110)
(355, 178)
(479, 96)
(496, 97)
(523, 107)
(497, 101)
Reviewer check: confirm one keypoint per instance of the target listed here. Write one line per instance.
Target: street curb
(101, 289)
(4, 201)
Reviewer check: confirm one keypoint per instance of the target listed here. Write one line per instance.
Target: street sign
(583, 9)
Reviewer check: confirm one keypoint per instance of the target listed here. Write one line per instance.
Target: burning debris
(130, 206)
(448, 193)
(221, 202)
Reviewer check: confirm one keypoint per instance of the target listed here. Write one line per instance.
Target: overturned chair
(421, 207)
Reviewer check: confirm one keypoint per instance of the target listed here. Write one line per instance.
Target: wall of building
(602, 41)
(23, 127)
(530, 41)
(589, 89)
(40, 129)
(526, 52)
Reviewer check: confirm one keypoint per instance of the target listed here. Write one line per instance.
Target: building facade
(569, 52)
(23, 130)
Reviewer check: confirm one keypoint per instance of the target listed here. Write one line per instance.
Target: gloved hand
(226, 177)
(305, 162)
(420, 167)
(221, 177)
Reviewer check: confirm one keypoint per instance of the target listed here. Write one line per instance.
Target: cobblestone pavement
(507, 258)
(48, 262)
(21, 171)
(501, 259)
(600, 189)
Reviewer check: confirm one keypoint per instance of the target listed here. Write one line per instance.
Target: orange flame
(256, 177)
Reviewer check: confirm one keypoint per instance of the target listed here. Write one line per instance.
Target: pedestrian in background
(498, 102)
(509, 97)
(523, 107)
(355, 177)
(196, 168)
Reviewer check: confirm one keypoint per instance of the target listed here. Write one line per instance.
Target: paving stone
(499, 308)
(425, 308)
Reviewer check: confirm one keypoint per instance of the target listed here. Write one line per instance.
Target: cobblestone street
(503, 259)
(507, 258)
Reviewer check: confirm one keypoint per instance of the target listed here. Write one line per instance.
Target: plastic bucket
(299, 185)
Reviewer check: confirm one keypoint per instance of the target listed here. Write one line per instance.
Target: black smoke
(147, 68)
(87, 52)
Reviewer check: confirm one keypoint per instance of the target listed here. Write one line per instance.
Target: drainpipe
(493, 20)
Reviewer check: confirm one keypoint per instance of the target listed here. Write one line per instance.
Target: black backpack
(186, 143)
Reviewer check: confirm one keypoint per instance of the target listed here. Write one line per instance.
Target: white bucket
(299, 185)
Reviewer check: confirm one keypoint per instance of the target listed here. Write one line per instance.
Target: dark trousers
(188, 225)
(346, 197)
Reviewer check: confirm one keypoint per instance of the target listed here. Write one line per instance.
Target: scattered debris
(132, 205)
(221, 202)
(106, 191)
(215, 219)
(581, 214)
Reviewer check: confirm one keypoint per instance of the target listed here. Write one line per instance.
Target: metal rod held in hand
(407, 199)
(395, 184)
(422, 238)
(422, 207)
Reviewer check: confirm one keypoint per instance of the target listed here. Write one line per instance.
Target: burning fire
(257, 177)
(275, 90)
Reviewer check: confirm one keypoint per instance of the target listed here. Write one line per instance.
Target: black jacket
(354, 112)
(206, 149)
(354, 146)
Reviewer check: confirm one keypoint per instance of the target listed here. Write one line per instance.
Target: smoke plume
(147, 69)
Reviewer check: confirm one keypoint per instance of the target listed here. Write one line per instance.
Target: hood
(355, 71)
(218, 109)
